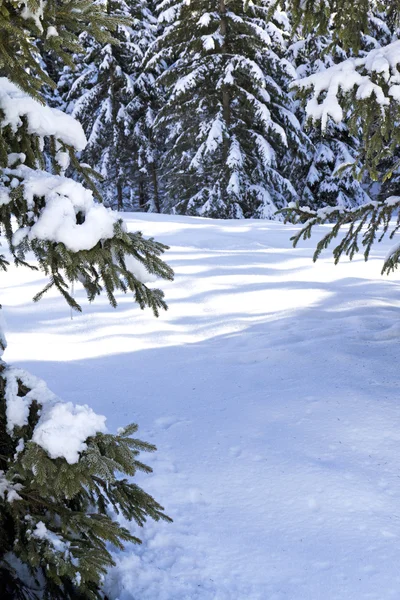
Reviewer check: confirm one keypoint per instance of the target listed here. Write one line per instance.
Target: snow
(266, 151)
(139, 270)
(208, 42)
(63, 160)
(17, 407)
(392, 200)
(235, 157)
(186, 82)
(9, 490)
(354, 73)
(36, 15)
(271, 390)
(64, 199)
(42, 120)
(42, 533)
(51, 32)
(205, 19)
(169, 15)
(62, 428)
(213, 140)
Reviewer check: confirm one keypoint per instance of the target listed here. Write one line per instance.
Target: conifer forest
(200, 300)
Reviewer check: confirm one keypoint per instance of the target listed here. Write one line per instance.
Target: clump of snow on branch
(64, 200)
(42, 533)
(9, 490)
(361, 74)
(42, 121)
(62, 427)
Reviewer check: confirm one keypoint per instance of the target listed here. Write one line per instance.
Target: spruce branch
(360, 227)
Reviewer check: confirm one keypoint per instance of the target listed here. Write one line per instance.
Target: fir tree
(59, 468)
(364, 93)
(383, 29)
(143, 109)
(99, 96)
(114, 100)
(329, 181)
(326, 182)
(347, 21)
(227, 121)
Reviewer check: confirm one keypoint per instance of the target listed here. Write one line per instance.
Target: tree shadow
(289, 429)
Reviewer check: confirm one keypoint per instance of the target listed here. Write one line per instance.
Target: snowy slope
(271, 389)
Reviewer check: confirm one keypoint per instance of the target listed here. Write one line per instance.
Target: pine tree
(347, 21)
(113, 99)
(227, 122)
(326, 182)
(144, 108)
(59, 468)
(383, 29)
(362, 92)
(99, 96)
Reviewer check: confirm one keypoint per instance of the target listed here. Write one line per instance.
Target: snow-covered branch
(375, 75)
(42, 121)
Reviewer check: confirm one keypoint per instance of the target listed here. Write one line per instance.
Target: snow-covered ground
(271, 388)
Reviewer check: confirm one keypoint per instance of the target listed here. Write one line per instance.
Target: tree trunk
(154, 178)
(142, 193)
(114, 112)
(120, 199)
(226, 101)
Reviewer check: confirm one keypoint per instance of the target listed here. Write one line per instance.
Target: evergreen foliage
(193, 114)
(325, 183)
(59, 468)
(347, 20)
(366, 224)
(58, 26)
(363, 93)
(143, 109)
(55, 521)
(227, 120)
(208, 127)
(383, 29)
(110, 95)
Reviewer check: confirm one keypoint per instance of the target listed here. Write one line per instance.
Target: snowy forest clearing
(271, 390)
